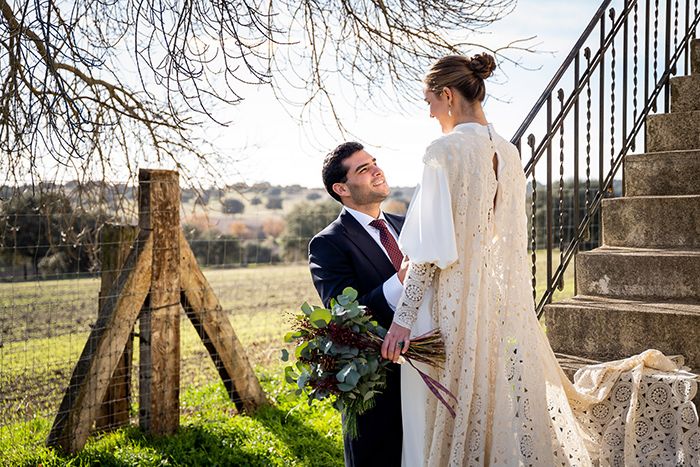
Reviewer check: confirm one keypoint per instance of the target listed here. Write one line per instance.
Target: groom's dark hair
(333, 169)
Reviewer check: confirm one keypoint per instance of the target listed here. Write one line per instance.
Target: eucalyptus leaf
(284, 355)
(362, 369)
(352, 377)
(302, 380)
(369, 395)
(300, 348)
(320, 317)
(346, 387)
(350, 293)
(343, 300)
(327, 346)
(306, 308)
(373, 365)
(342, 374)
(289, 375)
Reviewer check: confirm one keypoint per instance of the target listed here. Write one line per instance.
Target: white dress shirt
(392, 288)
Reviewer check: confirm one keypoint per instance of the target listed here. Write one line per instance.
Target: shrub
(232, 206)
(274, 202)
(303, 222)
(273, 226)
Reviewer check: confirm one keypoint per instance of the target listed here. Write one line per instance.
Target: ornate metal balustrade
(591, 114)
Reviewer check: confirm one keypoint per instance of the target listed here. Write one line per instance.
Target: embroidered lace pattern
(418, 279)
(515, 405)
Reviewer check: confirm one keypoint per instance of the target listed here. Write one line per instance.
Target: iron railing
(642, 46)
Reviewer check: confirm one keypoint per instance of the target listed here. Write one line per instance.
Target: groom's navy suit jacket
(345, 255)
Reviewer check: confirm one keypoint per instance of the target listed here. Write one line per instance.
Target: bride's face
(439, 108)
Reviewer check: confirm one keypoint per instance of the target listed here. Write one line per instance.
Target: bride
(465, 234)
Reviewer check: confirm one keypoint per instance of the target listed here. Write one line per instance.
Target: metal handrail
(560, 72)
(570, 106)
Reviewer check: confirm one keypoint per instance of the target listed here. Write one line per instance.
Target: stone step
(673, 131)
(695, 56)
(685, 93)
(610, 329)
(669, 274)
(652, 221)
(662, 173)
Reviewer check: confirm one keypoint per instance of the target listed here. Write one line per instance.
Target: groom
(359, 250)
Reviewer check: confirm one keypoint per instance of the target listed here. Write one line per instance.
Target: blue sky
(271, 146)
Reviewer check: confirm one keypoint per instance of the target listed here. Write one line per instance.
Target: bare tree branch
(95, 84)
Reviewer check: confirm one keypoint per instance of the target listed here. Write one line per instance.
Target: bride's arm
(417, 281)
(428, 238)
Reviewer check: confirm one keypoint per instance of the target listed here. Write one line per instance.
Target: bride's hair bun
(462, 73)
(482, 65)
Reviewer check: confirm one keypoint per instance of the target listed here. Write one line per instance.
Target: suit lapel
(357, 234)
(395, 221)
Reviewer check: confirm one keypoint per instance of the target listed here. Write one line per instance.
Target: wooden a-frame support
(159, 276)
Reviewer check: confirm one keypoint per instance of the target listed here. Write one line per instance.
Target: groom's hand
(396, 342)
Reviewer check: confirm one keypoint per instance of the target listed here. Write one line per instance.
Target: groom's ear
(341, 189)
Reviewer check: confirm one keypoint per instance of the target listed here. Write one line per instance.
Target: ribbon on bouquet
(435, 387)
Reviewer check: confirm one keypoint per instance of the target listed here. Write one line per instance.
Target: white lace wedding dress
(465, 233)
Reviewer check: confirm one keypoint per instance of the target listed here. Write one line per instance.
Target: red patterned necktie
(388, 242)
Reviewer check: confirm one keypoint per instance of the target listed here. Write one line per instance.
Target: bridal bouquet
(338, 354)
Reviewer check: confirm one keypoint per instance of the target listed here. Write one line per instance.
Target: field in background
(45, 325)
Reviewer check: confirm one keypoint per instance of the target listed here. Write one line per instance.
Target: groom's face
(365, 182)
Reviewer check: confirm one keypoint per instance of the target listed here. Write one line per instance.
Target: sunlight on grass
(45, 326)
(288, 432)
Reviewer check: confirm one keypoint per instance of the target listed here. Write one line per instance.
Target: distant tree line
(45, 233)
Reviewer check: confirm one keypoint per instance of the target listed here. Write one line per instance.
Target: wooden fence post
(159, 275)
(91, 374)
(159, 375)
(116, 241)
(214, 328)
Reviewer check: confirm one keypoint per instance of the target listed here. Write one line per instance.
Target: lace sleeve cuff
(417, 281)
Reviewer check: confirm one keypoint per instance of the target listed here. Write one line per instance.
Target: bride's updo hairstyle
(465, 74)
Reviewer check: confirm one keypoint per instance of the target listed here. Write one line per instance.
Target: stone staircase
(641, 289)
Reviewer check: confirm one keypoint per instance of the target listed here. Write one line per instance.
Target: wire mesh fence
(60, 260)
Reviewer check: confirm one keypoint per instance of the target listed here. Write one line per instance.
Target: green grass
(44, 328)
(34, 372)
(288, 432)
